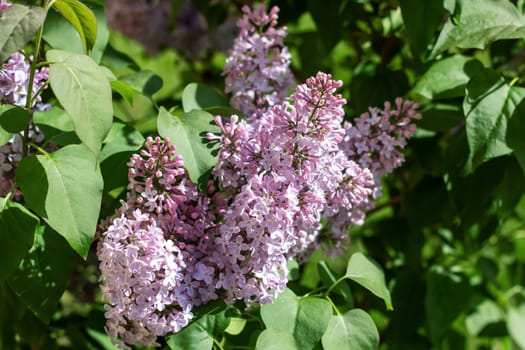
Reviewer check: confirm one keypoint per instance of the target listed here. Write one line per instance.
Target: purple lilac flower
(257, 70)
(280, 176)
(154, 254)
(375, 142)
(378, 136)
(14, 81)
(10, 157)
(4, 5)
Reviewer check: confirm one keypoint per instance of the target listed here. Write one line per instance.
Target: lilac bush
(172, 247)
(290, 165)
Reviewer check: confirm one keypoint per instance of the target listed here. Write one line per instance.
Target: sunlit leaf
(488, 106)
(480, 23)
(188, 132)
(200, 96)
(368, 274)
(199, 334)
(305, 318)
(65, 188)
(83, 89)
(275, 339)
(446, 78)
(516, 324)
(353, 330)
(81, 18)
(18, 26)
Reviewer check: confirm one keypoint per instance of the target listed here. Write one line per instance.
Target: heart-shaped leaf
(353, 330)
(65, 188)
(306, 318)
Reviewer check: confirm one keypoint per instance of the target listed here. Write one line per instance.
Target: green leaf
(12, 310)
(481, 23)
(199, 96)
(224, 111)
(353, 330)
(18, 26)
(102, 34)
(305, 318)
(421, 19)
(274, 339)
(329, 278)
(188, 132)
(59, 34)
(193, 337)
(488, 106)
(327, 17)
(515, 132)
(17, 231)
(516, 324)
(374, 87)
(446, 78)
(368, 274)
(83, 89)
(13, 119)
(56, 124)
(81, 18)
(198, 335)
(236, 326)
(447, 297)
(102, 339)
(121, 142)
(440, 117)
(54, 118)
(65, 188)
(486, 313)
(143, 82)
(121, 138)
(166, 63)
(4, 136)
(43, 274)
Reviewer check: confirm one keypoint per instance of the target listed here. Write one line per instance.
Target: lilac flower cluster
(14, 87)
(257, 70)
(281, 175)
(378, 136)
(14, 81)
(375, 141)
(154, 257)
(289, 166)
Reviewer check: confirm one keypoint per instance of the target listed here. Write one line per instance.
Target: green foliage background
(448, 232)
